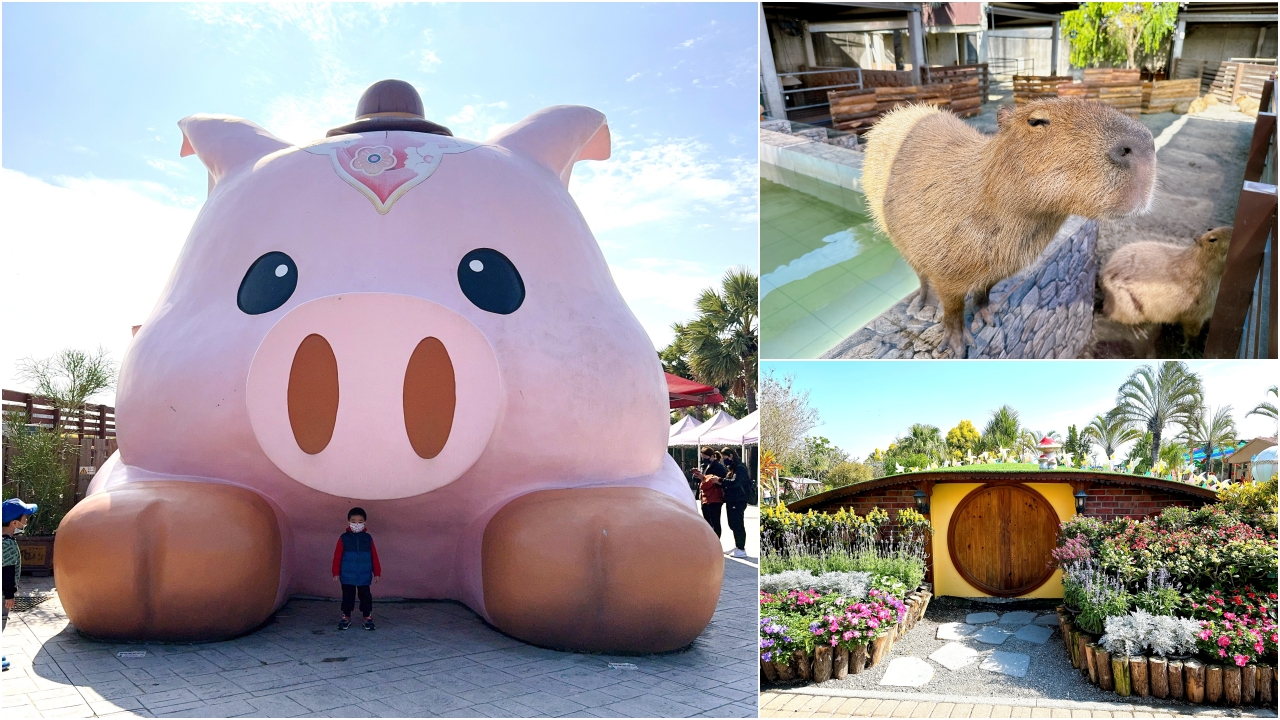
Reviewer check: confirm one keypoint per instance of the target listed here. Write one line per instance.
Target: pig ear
(226, 144)
(557, 137)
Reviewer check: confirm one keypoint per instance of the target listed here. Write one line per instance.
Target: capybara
(967, 210)
(1156, 282)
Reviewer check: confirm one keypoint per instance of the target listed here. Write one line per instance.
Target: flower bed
(1181, 605)
(835, 590)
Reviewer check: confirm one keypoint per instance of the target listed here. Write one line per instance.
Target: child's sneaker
(344, 623)
(368, 623)
(6, 663)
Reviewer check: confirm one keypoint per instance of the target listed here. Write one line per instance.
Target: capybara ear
(226, 144)
(1003, 115)
(559, 136)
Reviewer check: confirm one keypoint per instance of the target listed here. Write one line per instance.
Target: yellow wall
(946, 496)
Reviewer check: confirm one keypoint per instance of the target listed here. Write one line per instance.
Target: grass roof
(1012, 468)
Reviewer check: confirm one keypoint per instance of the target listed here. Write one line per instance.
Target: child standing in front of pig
(356, 566)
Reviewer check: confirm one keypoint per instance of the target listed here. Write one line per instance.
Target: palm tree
(1155, 399)
(1029, 439)
(1002, 430)
(723, 342)
(1265, 409)
(923, 439)
(1209, 429)
(1110, 431)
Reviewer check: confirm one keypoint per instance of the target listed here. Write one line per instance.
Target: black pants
(349, 599)
(711, 511)
(737, 524)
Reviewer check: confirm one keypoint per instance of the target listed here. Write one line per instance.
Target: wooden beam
(1254, 224)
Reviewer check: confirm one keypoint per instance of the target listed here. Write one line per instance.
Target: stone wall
(1045, 311)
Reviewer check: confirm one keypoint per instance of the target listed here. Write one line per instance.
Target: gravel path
(1050, 675)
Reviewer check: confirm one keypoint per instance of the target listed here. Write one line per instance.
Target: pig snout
(374, 395)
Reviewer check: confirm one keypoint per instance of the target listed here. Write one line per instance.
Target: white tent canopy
(687, 422)
(743, 432)
(693, 436)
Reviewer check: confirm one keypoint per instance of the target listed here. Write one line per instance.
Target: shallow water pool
(827, 271)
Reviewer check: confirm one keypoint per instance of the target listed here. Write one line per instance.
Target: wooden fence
(1237, 79)
(1121, 89)
(969, 89)
(90, 421)
(1243, 322)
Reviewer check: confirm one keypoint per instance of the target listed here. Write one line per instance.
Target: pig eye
(268, 284)
(490, 281)
(1037, 122)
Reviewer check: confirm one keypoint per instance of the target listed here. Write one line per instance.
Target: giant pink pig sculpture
(417, 323)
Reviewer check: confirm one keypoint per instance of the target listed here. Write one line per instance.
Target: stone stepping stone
(992, 635)
(955, 631)
(1007, 663)
(1047, 620)
(1037, 634)
(1020, 617)
(982, 617)
(907, 672)
(954, 656)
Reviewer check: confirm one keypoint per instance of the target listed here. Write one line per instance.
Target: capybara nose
(1133, 147)
(374, 396)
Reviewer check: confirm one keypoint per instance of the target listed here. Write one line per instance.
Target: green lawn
(1010, 468)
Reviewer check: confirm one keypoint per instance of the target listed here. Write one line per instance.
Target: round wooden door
(1000, 537)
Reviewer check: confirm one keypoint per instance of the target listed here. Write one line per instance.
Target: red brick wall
(890, 500)
(1108, 503)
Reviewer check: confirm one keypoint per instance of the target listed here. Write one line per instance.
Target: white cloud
(664, 180)
(659, 290)
(633, 77)
(302, 118)
(478, 122)
(84, 260)
(429, 62)
(689, 43)
(172, 168)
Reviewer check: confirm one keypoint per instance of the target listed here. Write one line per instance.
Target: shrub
(36, 472)
(1254, 503)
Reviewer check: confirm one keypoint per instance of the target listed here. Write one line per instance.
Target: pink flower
(834, 641)
(1258, 647)
(1204, 634)
(848, 635)
(1223, 653)
(1224, 641)
(1241, 660)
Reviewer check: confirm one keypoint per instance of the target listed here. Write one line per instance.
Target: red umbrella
(687, 393)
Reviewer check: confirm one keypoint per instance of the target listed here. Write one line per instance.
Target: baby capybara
(1155, 282)
(967, 210)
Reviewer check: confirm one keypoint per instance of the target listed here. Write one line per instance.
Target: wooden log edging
(1213, 684)
(1158, 677)
(1175, 679)
(1193, 680)
(1103, 659)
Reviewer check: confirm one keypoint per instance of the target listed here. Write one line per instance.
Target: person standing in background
(736, 490)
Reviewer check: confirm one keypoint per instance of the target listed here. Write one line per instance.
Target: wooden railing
(90, 421)
(1243, 323)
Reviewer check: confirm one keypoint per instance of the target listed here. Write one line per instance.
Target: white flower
(418, 156)
(373, 161)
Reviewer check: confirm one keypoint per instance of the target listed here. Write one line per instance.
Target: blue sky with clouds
(865, 405)
(95, 195)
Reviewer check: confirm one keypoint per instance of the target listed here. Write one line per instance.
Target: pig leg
(169, 560)
(955, 333)
(616, 569)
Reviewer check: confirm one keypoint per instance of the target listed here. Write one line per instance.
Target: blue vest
(357, 558)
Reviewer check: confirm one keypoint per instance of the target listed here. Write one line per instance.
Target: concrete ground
(820, 703)
(425, 659)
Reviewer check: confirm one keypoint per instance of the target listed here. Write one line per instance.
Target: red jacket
(337, 559)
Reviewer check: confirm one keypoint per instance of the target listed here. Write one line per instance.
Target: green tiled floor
(807, 317)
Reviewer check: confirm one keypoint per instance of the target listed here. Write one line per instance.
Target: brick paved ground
(816, 703)
(425, 659)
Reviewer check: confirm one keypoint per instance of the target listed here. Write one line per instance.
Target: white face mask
(356, 527)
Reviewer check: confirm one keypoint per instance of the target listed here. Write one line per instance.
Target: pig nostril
(429, 398)
(313, 394)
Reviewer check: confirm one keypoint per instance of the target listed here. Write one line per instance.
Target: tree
(1209, 429)
(817, 458)
(1029, 440)
(924, 440)
(1110, 33)
(1264, 408)
(962, 440)
(1110, 431)
(1174, 455)
(1140, 454)
(1002, 430)
(847, 473)
(69, 378)
(785, 418)
(1077, 446)
(1154, 399)
(722, 344)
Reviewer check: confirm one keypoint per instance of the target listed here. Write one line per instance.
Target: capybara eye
(490, 281)
(268, 284)
(1037, 122)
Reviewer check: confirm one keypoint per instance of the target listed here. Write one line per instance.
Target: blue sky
(94, 192)
(865, 405)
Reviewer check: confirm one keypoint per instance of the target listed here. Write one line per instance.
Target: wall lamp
(1081, 496)
(922, 502)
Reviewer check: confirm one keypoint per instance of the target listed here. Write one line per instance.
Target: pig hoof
(601, 569)
(169, 561)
